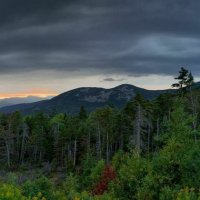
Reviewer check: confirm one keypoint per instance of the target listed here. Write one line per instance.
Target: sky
(51, 46)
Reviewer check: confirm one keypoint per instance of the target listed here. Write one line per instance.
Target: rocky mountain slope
(91, 98)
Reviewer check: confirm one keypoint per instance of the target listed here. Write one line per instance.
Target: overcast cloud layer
(99, 37)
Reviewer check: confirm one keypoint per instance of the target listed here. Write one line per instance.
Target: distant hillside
(91, 98)
(20, 100)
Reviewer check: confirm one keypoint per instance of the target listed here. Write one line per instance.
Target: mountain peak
(89, 97)
(124, 85)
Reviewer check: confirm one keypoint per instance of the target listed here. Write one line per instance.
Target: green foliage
(87, 164)
(97, 171)
(96, 148)
(130, 174)
(119, 159)
(10, 192)
(105, 196)
(71, 184)
(40, 186)
(188, 194)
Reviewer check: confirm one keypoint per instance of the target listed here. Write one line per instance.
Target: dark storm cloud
(133, 37)
(110, 79)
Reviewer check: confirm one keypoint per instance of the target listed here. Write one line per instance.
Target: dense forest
(147, 150)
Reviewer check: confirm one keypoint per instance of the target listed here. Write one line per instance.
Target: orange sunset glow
(32, 92)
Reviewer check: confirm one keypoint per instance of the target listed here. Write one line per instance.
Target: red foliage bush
(108, 175)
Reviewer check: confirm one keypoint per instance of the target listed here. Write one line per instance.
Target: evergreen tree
(82, 113)
(185, 80)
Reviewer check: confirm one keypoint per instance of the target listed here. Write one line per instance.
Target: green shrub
(39, 186)
(10, 192)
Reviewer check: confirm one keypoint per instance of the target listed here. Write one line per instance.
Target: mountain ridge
(89, 97)
(19, 100)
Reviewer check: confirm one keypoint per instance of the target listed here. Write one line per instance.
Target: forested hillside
(149, 149)
(89, 97)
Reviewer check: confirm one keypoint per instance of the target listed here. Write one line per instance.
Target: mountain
(89, 97)
(20, 100)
